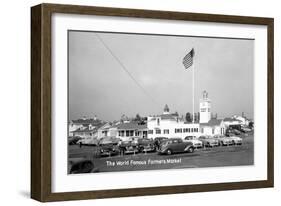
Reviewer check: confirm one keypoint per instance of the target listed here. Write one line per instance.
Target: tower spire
(166, 109)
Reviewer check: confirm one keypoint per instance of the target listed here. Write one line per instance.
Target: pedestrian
(80, 144)
(157, 144)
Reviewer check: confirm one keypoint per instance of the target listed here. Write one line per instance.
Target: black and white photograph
(155, 102)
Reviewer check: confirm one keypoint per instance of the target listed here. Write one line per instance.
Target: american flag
(188, 59)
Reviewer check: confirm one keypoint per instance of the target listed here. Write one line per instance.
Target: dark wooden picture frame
(41, 117)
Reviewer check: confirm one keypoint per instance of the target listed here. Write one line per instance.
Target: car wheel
(169, 152)
(190, 150)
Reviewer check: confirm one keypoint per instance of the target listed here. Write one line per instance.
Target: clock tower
(205, 108)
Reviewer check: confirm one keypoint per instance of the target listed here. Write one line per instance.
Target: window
(203, 109)
(188, 130)
(191, 129)
(178, 130)
(158, 121)
(158, 131)
(202, 130)
(213, 130)
(131, 132)
(127, 133)
(150, 131)
(166, 131)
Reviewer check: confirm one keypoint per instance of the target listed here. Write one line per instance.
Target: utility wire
(124, 68)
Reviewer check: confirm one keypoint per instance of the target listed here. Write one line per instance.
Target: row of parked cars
(113, 146)
(163, 145)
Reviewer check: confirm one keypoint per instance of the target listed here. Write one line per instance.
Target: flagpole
(193, 92)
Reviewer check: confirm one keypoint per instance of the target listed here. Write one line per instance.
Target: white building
(205, 108)
(232, 122)
(213, 127)
(243, 120)
(74, 126)
(107, 130)
(131, 129)
(209, 126)
(89, 132)
(170, 125)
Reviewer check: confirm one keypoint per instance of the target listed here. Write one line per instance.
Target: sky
(111, 74)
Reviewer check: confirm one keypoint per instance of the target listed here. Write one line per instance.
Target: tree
(124, 118)
(138, 117)
(188, 117)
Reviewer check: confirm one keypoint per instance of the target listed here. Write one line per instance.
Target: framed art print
(132, 102)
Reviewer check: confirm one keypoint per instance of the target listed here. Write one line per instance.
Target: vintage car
(175, 145)
(236, 140)
(88, 141)
(108, 149)
(194, 140)
(209, 141)
(146, 145)
(223, 140)
(80, 165)
(108, 146)
(128, 147)
(236, 132)
(73, 140)
(245, 129)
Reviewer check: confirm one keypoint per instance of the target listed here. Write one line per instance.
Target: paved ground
(210, 157)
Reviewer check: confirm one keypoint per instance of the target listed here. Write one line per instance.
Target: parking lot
(235, 155)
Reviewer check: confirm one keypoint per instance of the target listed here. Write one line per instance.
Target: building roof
(228, 119)
(212, 123)
(87, 121)
(85, 130)
(166, 117)
(131, 126)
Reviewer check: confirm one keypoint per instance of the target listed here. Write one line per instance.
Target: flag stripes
(188, 59)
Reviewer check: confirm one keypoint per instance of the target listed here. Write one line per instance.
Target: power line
(124, 68)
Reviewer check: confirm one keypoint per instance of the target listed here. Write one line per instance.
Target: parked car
(246, 129)
(209, 141)
(195, 141)
(80, 165)
(236, 140)
(128, 147)
(176, 145)
(146, 145)
(223, 140)
(108, 149)
(236, 132)
(229, 134)
(73, 140)
(109, 139)
(88, 141)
